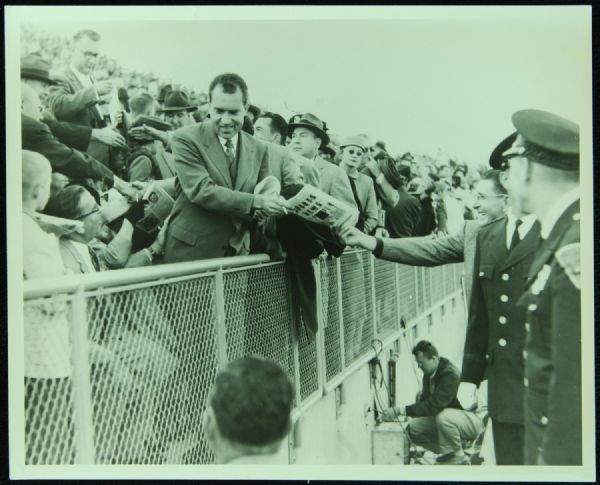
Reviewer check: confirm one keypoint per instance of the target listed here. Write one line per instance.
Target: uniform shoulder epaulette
(569, 258)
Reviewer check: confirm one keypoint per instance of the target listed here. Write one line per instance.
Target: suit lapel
(216, 155)
(496, 242)
(529, 244)
(74, 80)
(246, 162)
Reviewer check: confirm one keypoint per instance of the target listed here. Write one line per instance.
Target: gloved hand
(466, 396)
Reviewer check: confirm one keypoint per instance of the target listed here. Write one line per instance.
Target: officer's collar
(557, 209)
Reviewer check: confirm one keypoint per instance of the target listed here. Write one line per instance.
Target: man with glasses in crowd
(75, 96)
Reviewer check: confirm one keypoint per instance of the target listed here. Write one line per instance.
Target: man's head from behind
(427, 357)
(142, 105)
(85, 50)
(490, 196)
(36, 180)
(77, 203)
(228, 96)
(270, 127)
(248, 410)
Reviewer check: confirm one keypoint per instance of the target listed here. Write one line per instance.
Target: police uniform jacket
(496, 327)
(553, 347)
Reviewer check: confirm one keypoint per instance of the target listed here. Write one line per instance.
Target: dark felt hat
(310, 121)
(164, 91)
(546, 138)
(177, 101)
(35, 67)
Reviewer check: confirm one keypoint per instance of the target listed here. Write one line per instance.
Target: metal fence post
(417, 288)
(320, 340)
(398, 302)
(83, 419)
(295, 328)
(373, 296)
(338, 268)
(220, 331)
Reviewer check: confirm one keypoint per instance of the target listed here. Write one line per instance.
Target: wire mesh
(153, 360)
(407, 291)
(437, 284)
(357, 305)
(449, 279)
(307, 356)
(386, 295)
(257, 315)
(426, 287)
(331, 318)
(48, 395)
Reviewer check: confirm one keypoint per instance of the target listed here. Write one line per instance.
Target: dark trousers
(509, 443)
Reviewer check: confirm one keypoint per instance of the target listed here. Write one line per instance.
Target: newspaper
(316, 206)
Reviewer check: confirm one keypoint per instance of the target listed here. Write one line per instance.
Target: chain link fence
(120, 373)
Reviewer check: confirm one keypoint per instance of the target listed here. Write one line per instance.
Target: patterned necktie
(515, 237)
(230, 157)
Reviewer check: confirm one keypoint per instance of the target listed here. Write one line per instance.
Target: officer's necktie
(515, 237)
(230, 157)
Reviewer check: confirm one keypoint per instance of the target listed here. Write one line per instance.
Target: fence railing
(118, 365)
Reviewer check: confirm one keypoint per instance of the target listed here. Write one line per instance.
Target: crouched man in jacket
(439, 423)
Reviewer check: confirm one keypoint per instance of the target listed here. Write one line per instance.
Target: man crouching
(439, 423)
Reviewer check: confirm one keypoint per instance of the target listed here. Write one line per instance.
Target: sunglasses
(355, 152)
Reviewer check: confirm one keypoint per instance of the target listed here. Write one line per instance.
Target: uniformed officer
(544, 175)
(495, 336)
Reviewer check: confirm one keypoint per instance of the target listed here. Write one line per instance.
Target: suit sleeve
(371, 210)
(439, 399)
(65, 104)
(73, 163)
(71, 134)
(140, 169)
(291, 174)
(340, 187)
(562, 440)
(200, 188)
(476, 341)
(425, 251)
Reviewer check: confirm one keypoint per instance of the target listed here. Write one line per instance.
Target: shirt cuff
(378, 247)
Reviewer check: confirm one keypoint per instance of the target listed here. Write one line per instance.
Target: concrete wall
(337, 428)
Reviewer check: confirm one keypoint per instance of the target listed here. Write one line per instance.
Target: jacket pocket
(184, 235)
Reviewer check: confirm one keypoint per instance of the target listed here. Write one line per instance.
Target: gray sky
(420, 84)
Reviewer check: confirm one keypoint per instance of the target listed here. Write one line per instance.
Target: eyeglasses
(480, 197)
(89, 54)
(93, 211)
(355, 152)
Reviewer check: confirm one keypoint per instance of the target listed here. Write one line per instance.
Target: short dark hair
(252, 399)
(230, 82)
(65, 203)
(255, 110)
(494, 176)
(90, 34)
(278, 123)
(426, 348)
(247, 126)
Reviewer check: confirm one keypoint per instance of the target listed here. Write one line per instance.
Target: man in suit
(307, 135)
(218, 167)
(75, 97)
(401, 219)
(35, 73)
(495, 336)
(544, 176)
(36, 136)
(439, 423)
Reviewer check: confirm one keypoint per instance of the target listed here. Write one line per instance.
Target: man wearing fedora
(544, 176)
(218, 167)
(177, 110)
(75, 96)
(307, 135)
(35, 72)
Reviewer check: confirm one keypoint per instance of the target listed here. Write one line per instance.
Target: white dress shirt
(526, 224)
(234, 140)
(83, 250)
(557, 209)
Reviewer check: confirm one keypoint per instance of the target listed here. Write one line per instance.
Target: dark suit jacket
(445, 381)
(429, 251)
(553, 365)
(36, 136)
(70, 101)
(496, 329)
(71, 134)
(210, 216)
(401, 220)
